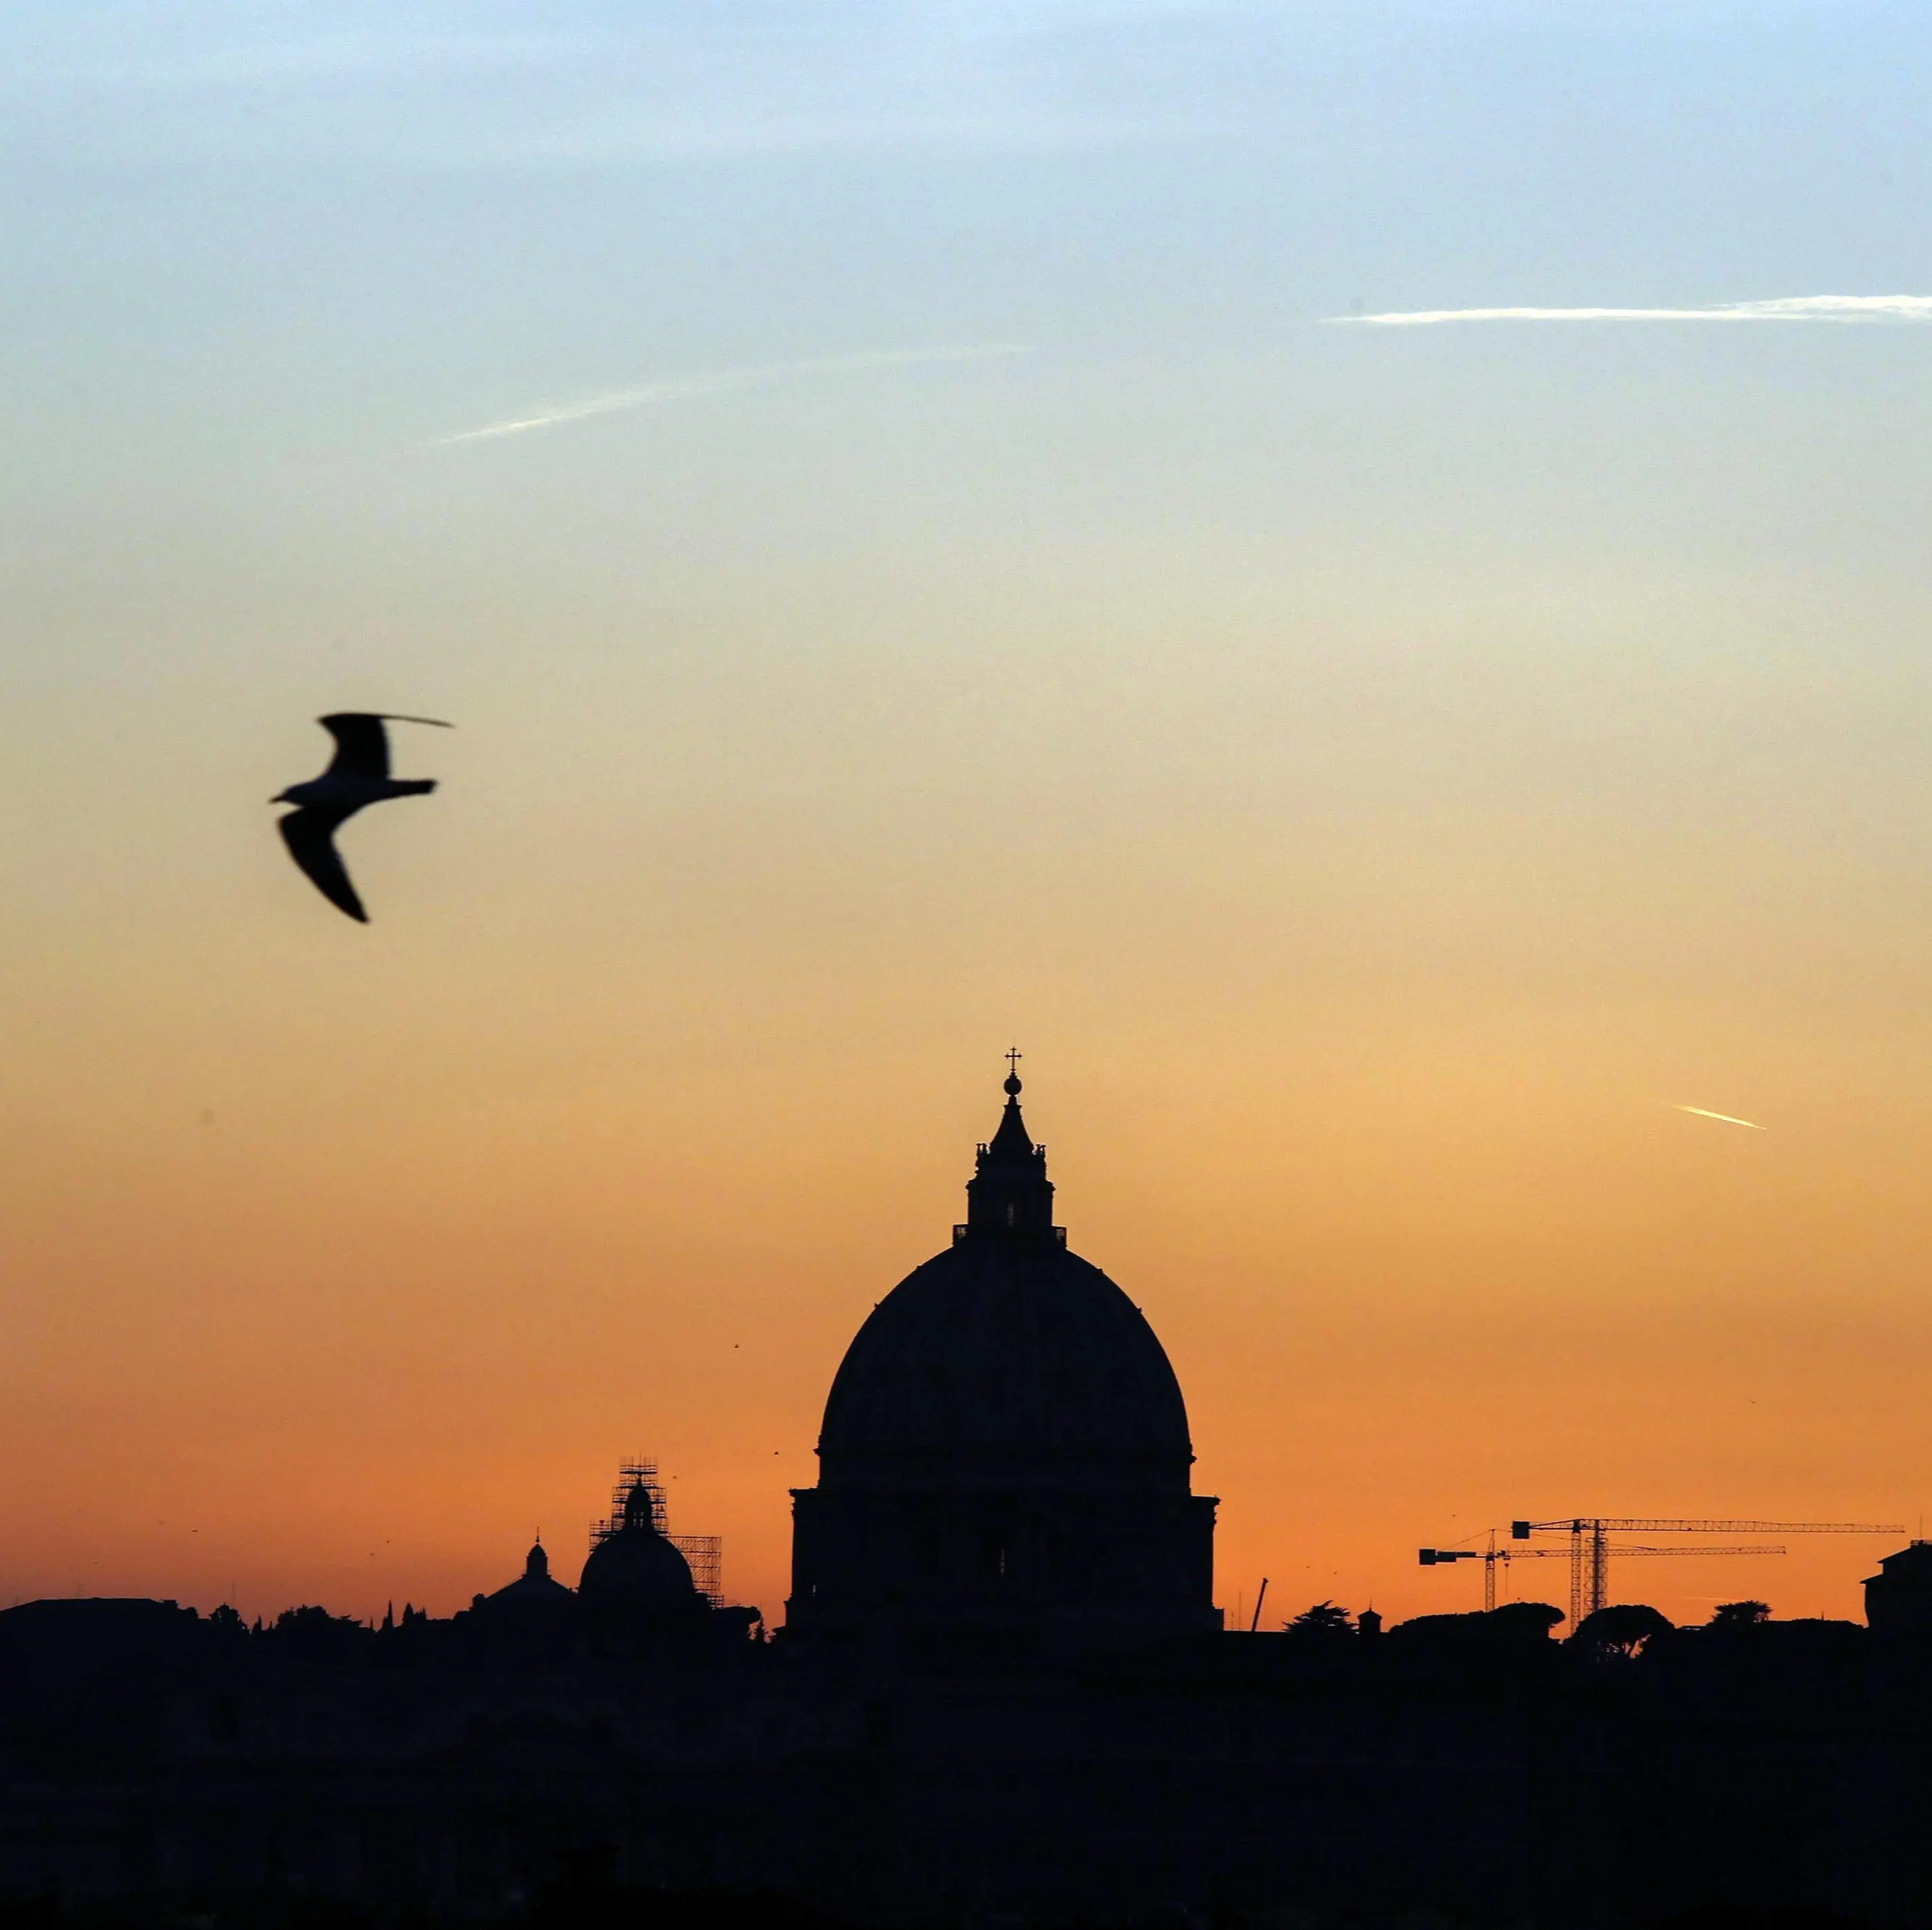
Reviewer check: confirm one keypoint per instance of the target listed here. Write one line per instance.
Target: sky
(945, 526)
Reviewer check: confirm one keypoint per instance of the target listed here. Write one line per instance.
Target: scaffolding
(703, 1553)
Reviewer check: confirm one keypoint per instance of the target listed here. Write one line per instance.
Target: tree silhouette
(1623, 1630)
(1529, 1621)
(1740, 1614)
(1324, 1619)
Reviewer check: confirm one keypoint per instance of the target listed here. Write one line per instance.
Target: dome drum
(1075, 1570)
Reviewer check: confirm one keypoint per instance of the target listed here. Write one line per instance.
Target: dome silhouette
(536, 1583)
(1000, 1356)
(633, 1565)
(1004, 1461)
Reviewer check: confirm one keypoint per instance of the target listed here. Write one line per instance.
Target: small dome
(635, 1565)
(535, 1585)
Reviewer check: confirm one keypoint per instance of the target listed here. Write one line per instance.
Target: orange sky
(349, 1325)
(1357, 983)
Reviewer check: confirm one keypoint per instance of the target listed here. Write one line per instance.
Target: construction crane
(1590, 1550)
(1491, 1556)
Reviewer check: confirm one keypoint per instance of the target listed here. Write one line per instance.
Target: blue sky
(244, 240)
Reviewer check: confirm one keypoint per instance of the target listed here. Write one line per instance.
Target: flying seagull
(358, 774)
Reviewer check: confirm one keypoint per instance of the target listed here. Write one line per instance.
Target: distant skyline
(944, 524)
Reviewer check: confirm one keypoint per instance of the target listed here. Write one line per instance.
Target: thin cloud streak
(726, 381)
(1840, 308)
(1728, 1118)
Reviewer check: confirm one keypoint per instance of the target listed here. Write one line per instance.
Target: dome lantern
(1009, 1194)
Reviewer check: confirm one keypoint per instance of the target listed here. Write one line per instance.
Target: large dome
(1005, 1459)
(1003, 1357)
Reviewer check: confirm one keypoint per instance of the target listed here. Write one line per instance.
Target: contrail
(1788, 308)
(1726, 1117)
(723, 381)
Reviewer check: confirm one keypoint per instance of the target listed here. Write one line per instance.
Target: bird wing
(361, 744)
(310, 837)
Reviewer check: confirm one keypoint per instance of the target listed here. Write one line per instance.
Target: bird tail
(411, 787)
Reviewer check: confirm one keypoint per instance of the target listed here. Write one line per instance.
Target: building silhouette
(1001, 1695)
